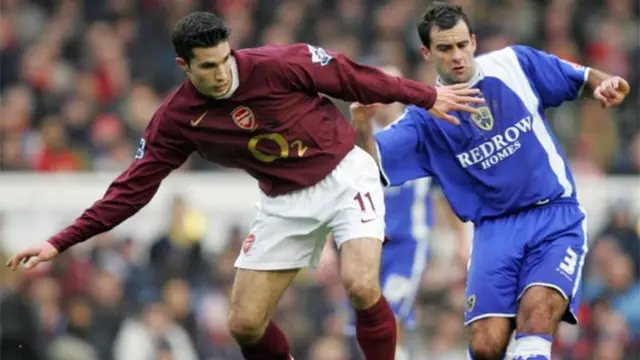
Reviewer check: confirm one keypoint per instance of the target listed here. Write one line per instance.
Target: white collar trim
(235, 81)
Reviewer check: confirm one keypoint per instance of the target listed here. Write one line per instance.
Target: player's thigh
(274, 251)
(556, 260)
(551, 276)
(281, 242)
(357, 223)
(489, 337)
(358, 200)
(494, 269)
(254, 296)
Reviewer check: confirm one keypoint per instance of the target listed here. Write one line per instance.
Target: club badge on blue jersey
(484, 119)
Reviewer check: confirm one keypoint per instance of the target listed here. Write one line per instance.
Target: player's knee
(360, 271)
(363, 290)
(244, 327)
(540, 310)
(537, 320)
(486, 347)
(363, 293)
(485, 351)
(489, 338)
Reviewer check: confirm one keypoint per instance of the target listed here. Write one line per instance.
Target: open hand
(32, 256)
(455, 98)
(612, 91)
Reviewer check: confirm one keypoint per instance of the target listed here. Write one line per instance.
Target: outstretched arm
(160, 151)
(311, 68)
(609, 90)
(556, 80)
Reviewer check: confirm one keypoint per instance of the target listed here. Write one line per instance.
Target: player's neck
(235, 82)
(235, 79)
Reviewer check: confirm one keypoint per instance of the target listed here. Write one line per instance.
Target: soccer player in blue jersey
(504, 171)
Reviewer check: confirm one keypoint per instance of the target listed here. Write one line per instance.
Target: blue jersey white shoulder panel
(502, 160)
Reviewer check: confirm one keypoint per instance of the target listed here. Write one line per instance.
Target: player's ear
(425, 52)
(182, 63)
(473, 43)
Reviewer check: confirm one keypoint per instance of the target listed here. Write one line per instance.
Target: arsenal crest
(484, 119)
(248, 242)
(244, 118)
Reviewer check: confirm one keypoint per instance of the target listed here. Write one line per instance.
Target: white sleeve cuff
(584, 82)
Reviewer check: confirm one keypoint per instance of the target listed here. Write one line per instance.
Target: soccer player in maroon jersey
(260, 110)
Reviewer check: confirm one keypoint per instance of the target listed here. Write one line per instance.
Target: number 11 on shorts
(363, 206)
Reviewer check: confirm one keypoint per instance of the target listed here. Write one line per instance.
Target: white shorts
(289, 231)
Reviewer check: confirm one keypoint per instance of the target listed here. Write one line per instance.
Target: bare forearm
(366, 141)
(364, 133)
(596, 77)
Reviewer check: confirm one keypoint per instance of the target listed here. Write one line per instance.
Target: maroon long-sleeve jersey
(275, 126)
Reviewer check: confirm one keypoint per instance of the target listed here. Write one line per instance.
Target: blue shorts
(403, 263)
(543, 246)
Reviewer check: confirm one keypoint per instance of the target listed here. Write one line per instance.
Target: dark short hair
(443, 16)
(198, 29)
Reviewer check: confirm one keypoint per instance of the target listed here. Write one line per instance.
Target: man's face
(210, 69)
(452, 53)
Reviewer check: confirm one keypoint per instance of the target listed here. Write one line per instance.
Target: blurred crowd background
(80, 79)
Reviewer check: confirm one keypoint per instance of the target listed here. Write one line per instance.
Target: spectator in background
(329, 348)
(615, 284)
(622, 229)
(153, 336)
(77, 97)
(20, 336)
(75, 343)
(177, 252)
